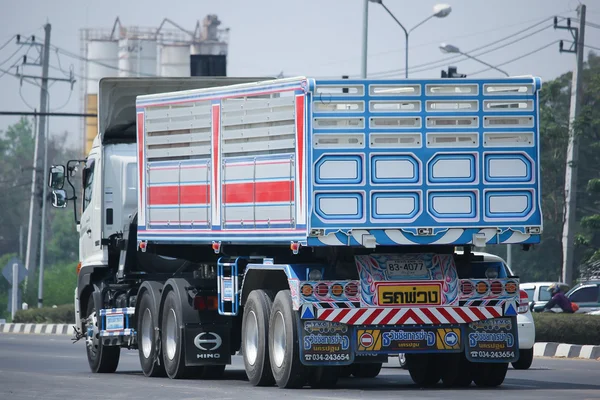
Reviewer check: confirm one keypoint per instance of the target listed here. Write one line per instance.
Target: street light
(448, 48)
(439, 11)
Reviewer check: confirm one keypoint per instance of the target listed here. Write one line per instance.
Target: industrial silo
(174, 60)
(137, 57)
(103, 61)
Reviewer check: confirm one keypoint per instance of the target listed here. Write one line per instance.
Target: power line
(516, 58)
(592, 47)
(73, 55)
(443, 61)
(454, 37)
(8, 42)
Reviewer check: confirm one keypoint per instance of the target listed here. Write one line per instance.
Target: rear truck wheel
(425, 369)
(366, 370)
(255, 333)
(489, 374)
(525, 359)
(284, 350)
(455, 370)
(173, 348)
(323, 377)
(101, 358)
(346, 371)
(402, 360)
(148, 338)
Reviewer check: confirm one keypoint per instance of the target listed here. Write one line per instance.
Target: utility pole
(33, 232)
(573, 145)
(365, 39)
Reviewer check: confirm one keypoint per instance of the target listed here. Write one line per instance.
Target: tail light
(206, 303)
(523, 302)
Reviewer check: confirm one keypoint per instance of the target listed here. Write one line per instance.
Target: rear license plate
(114, 322)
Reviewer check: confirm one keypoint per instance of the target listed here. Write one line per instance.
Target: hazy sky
(316, 38)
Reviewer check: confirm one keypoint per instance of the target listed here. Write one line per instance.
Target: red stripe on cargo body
(259, 192)
(430, 315)
(300, 142)
(168, 195)
(140, 160)
(216, 125)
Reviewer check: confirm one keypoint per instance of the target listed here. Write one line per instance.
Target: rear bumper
(526, 331)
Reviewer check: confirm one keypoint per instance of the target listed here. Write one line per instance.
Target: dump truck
(315, 227)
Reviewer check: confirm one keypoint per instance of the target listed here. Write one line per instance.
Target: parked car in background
(586, 295)
(538, 293)
(524, 318)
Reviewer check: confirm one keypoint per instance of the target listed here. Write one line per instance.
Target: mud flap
(325, 343)
(492, 340)
(206, 344)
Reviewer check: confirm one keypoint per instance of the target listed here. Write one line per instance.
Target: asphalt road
(51, 367)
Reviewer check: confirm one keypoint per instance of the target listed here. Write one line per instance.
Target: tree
(16, 163)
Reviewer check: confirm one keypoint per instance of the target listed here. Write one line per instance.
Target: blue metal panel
(459, 148)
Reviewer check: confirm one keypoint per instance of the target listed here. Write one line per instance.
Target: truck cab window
(88, 181)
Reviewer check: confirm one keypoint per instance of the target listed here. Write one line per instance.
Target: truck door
(90, 229)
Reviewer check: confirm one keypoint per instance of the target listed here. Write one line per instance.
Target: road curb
(564, 350)
(43, 329)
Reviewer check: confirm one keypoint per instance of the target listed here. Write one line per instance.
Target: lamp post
(448, 48)
(439, 11)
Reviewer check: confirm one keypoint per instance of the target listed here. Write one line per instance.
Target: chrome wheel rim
(147, 333)
(171, 334)
(279, 342)
(251, 339)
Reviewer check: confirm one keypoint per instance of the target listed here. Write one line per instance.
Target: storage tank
(103, 56)
(174, 60)
(137, 57)
(213, 48)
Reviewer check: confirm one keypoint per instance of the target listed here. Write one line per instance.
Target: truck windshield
(482, 270)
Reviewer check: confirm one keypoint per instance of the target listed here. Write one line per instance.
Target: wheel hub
(147, 333)
(279, 339)
(251, 339)
(171, 333)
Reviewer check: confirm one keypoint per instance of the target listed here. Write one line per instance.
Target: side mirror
(56, 179)
(59, 198)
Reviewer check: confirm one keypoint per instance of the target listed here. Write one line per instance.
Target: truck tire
(173, 348)
(101, 358)
(284, 350)
(489, 374)
(366, 370)
(255, 333)
(148, 338)
(323, 377)
(456, 370)
(525, 359)
(424, 369)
